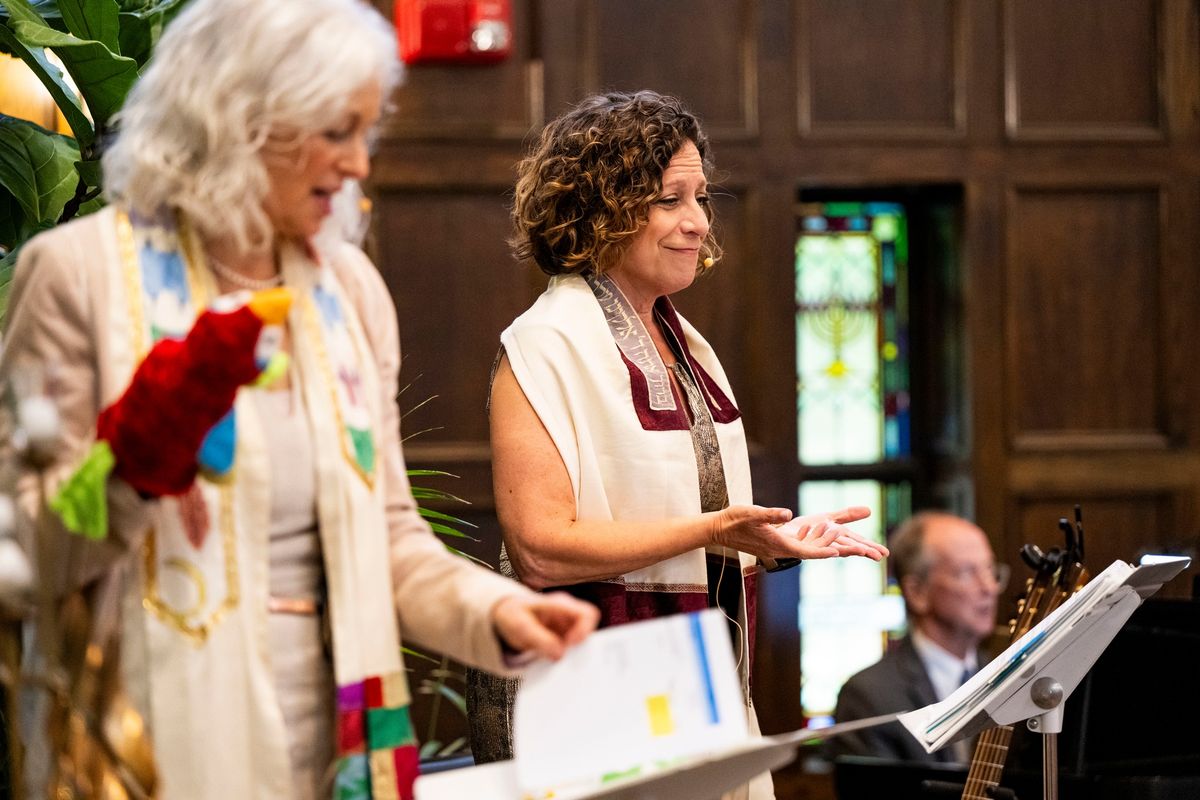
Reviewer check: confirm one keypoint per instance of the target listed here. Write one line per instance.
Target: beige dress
(299, 658)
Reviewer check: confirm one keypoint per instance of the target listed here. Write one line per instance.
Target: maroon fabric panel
(750, 587)
(724, 411)
(619, 604)
(652, 420)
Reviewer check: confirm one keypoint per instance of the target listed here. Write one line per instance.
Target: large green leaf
(89, 171)
(103, 77)
(93, 19)
(141, 26)
(38, 168)
(12, 220)
(52, 78)
(46, 9)
(23, 10)
(15, 227)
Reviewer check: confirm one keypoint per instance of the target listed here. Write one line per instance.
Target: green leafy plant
(442, 683)
(46, 177)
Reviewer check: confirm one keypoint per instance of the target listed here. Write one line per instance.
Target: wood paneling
(881, 68)
(1124, 526)
(456, 288)
(1082, 281)
(1083, 69)
(703, 51)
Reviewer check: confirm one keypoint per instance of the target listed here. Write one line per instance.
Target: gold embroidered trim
(133, 283)
(317, 336)
(665, 588)
(151, 600)
(179, 619)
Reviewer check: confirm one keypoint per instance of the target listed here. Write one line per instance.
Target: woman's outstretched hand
(773, 533)
(828, 533)
(543, 624)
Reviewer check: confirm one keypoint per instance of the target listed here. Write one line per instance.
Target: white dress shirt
(946, 672)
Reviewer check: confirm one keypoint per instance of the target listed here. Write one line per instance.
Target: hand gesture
(772, 533)
(543, 624)
(830, 538)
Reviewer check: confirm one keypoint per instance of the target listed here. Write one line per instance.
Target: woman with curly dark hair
(620, 464)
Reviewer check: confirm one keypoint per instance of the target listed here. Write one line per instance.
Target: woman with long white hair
(265, 601)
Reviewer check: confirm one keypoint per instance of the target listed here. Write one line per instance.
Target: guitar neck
(987, 765)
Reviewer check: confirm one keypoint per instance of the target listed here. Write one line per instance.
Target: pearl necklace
(238, 279)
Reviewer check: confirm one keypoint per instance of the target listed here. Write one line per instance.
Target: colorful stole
(194, 583)
(377, 750)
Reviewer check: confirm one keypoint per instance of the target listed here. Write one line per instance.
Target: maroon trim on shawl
(651, 420)
(619, 604)
(750, 587)
(722, 408)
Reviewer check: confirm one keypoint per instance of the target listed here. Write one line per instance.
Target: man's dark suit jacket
(897, 682)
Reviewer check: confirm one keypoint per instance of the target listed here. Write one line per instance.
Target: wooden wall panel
(1083, 312)
(703, 51)
(1083, 69)
(881, 68)
(456, 288)
(1123, 526)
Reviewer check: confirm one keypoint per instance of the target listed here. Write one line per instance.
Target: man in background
(948, 575)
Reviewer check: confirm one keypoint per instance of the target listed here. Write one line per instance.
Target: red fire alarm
(454, 31)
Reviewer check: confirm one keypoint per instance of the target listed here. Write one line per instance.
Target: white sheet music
(629, 700)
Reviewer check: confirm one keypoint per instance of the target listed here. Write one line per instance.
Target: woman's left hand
(846, 542)
(544, 624)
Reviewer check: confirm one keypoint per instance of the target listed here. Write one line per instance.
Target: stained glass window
(852, 333)
(852, 391)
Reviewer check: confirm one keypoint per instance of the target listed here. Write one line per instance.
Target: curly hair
(586, 187)
(226, 75)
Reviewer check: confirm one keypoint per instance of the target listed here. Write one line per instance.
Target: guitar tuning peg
(1069, 532)
(1033, 556)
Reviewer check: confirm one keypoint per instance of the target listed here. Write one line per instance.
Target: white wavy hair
(224, 76)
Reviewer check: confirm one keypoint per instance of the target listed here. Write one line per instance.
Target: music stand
(1031, 680)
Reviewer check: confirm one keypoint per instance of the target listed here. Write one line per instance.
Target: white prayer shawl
(587, 366)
